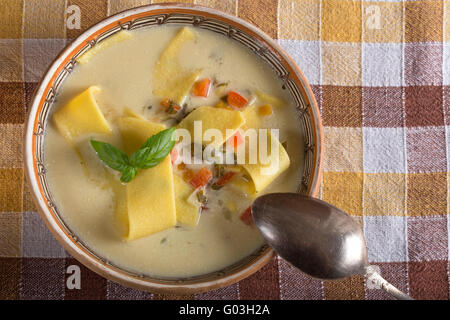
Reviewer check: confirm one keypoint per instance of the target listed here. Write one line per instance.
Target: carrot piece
(201, 178)
(169, 106)
(201, 88)
(173, 155)
(236, 100)
(165, 103)
(247, 217)
(225, 179)
(235, 140)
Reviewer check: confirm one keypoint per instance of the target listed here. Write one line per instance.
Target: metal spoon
(316, 237)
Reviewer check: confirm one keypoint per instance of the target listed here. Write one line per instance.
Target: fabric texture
(380, 71)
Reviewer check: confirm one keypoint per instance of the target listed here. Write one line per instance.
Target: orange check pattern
(380, 71)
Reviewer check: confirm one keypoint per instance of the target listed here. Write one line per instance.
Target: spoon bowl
(316, 237)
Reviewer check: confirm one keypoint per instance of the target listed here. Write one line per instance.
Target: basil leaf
(150, 154)
(140, 156)
(151, 163)
(162, 137)
(111, 156)
(154, 150)
(128, 174)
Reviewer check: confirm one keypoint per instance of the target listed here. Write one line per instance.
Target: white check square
(384, 150)
(386, 238)
(446, 64)
(37, 241)
(381, 64)
(38, 54)
(307, 56)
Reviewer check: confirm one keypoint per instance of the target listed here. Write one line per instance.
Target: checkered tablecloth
(381, 74)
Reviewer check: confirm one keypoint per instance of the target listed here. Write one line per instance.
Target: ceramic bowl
(153, 16)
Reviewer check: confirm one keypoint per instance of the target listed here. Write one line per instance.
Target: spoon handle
(377, 281)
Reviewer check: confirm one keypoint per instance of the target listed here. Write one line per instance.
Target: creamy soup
(123, 77)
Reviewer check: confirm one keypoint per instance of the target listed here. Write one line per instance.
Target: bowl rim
(102, 268)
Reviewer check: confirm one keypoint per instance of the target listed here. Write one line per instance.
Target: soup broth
(81, 185)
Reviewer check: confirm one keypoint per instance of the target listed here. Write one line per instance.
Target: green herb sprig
(150, 154)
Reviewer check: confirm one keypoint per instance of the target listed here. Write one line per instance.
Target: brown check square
(423, 64)
(10, 234)
(427, 194)
(11, 18)
(28, 202)
(11, 145)
(351, 288)
(11, 187)
(423, 21)
(425, 149)
(12, 103)
(10, 278)
(11, 60)
(42, 279)
(263, 285)
(423, 106)
(92, 285)
(342, 106)
(427, 238)
(295, 285)
(29, 91)
(446, 103)
(382, 107)
(428, 280)
(91, 11)
(44, 19)
(395, 273)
